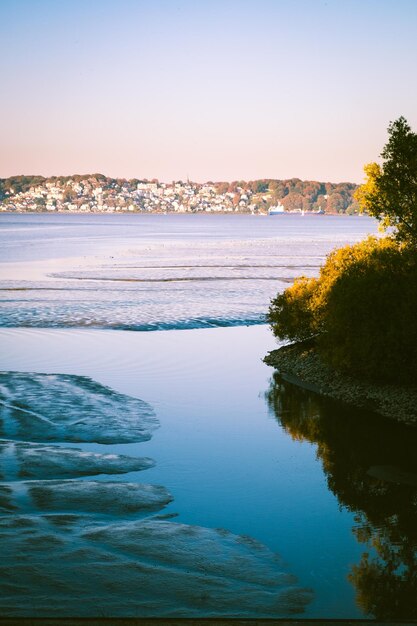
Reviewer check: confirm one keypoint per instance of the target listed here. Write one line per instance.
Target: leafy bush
(362, 310)
(370, 315)
(292, 313)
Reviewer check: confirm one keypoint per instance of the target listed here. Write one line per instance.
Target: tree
(390, 190)
(360, 312)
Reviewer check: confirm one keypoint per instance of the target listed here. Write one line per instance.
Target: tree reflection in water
(371, 466)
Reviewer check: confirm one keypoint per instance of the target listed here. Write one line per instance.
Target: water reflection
(371, 466)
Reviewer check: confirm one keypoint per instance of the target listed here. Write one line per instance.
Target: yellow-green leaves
(362, 310)
(368, 193)
(390, 189)
(292, 313)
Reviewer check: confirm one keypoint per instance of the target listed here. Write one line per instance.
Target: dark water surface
(332, 490)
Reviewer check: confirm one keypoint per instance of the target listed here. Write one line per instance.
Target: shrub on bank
(292, 313)
(362, 310)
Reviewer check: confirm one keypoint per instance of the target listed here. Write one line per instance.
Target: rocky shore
(300, 364)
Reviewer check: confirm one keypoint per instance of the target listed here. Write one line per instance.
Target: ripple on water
(175, 284)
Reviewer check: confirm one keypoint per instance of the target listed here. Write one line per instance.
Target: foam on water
(98, 540)
(58, 407)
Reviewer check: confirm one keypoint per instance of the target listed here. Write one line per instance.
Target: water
(237, 447)
(149, 272)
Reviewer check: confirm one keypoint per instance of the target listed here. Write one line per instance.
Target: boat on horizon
(276, 210)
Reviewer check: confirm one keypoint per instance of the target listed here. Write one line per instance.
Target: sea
(280, 502)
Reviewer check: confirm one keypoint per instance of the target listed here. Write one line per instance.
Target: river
(170, 309)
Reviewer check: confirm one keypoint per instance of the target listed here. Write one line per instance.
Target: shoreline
(307, 214)
(299, 363)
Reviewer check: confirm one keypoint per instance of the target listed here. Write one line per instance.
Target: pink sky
(209, 90)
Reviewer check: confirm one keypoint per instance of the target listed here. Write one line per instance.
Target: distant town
(100, 194)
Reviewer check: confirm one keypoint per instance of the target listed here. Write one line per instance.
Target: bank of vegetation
(359, 317)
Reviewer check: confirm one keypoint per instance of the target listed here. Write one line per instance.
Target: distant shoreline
(286, 214)
(300, 364)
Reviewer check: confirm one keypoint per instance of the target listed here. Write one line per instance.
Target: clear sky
(209, 89)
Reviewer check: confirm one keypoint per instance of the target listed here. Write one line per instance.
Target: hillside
(96, 192)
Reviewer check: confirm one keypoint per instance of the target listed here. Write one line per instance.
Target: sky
(204, 89)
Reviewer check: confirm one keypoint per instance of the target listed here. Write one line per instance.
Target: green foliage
(292, 313)
(17, 184)
(370, 315)
(362, 310)
(390, 190)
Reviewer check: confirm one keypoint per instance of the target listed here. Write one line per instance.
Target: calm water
(148, 272)
(332, 492)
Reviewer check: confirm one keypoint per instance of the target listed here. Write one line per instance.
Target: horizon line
(185, 180)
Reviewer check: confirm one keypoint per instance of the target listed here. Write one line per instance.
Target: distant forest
(296, 194)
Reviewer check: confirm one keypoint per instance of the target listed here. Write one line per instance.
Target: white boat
(277, 210)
